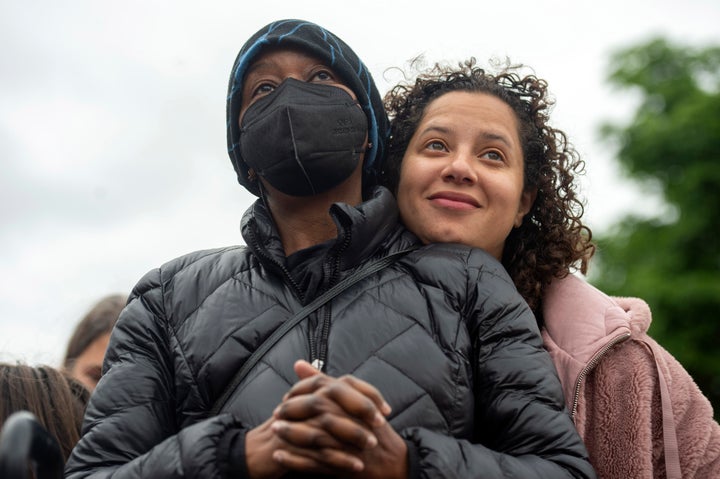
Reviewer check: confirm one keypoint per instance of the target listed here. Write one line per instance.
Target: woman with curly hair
(474, 160)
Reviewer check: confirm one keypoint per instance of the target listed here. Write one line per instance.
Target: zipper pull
(318, 364)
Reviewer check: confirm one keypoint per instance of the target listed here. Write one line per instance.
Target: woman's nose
(460, 170)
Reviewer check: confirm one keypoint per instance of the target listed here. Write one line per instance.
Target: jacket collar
(581, 323)
(363, 231)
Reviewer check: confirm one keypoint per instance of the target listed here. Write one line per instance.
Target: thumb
(304, 369)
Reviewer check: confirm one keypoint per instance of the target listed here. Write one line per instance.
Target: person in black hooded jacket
(442, 368)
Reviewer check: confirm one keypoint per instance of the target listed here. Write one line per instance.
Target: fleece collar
(580, 321)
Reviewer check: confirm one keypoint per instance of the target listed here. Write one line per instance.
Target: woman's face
(461, 178)
(88, 365)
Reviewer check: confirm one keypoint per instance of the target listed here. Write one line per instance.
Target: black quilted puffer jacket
(442, 333)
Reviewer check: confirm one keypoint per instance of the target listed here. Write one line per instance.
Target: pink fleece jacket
(639, 412)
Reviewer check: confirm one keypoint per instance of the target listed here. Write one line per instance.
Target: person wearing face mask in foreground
(427, 370)
(474, 160)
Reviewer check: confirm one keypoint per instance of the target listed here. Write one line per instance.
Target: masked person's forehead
(273, 66)
(265, 58)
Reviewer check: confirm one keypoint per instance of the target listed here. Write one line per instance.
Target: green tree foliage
(672, 261)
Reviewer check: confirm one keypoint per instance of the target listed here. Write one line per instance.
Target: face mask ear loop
(263, 196)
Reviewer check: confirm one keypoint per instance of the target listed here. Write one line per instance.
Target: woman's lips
(455, 201)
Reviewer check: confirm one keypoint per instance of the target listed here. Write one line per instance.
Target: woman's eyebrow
(496, 136)
(435, 128)
(485, 135)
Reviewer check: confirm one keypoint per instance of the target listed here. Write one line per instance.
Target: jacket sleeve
(631, 372)
(522, 428)
(130, 427)
(698, 434)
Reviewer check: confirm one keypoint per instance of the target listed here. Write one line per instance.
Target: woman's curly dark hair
(552, 240)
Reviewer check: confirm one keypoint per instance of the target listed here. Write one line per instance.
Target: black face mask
(303, 138)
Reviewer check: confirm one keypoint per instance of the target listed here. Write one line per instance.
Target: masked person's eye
(322, 75)
(263, 89)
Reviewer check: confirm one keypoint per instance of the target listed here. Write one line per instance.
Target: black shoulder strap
(364, 272)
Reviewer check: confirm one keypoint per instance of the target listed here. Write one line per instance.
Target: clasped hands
(326, 425)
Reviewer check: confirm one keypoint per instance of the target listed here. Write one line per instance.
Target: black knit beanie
(324, 45)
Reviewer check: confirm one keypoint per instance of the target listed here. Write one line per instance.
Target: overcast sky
(112, 123)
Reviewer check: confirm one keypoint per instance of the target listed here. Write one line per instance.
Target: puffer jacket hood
(323, 44)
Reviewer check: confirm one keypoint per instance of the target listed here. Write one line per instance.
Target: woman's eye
(493, 155)
(436, 146)
(93, 373)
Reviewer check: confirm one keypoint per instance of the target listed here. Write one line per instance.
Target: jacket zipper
(280, 266)
(591, 365)
(318, 353)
